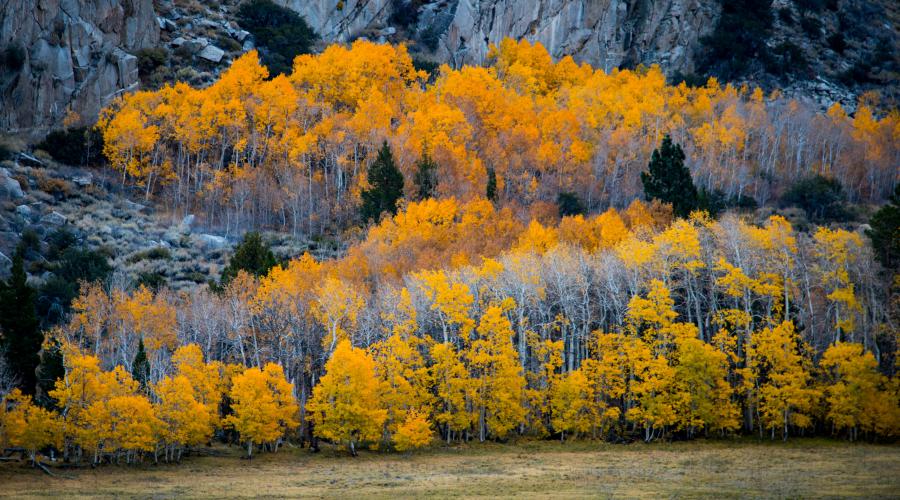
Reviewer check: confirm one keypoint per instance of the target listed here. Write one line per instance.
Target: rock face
(604, 33)
(74, 55)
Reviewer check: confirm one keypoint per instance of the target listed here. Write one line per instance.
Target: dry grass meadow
(802, 468)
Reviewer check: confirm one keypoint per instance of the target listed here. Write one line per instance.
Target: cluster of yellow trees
(290, 152)
(107, 414)
(615, 325)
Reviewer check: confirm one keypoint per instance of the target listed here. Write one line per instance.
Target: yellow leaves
(148, 315)
(537, 238)
(779, 379)
(337, 306)
(855, 391)
(452, 301)
(186, 420)
(570, 405)
(263, 405)
(679, 246)
(703, 392)
(453, 389)
(25, 425)
(500, 389)
(656, 310)
(838, 250)
(415, 432)
(346, 404)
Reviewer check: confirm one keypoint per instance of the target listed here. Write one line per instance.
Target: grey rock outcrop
(10, 187)
(75, 55)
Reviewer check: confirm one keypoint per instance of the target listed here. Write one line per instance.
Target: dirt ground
(801, 468)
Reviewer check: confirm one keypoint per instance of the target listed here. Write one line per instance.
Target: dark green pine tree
(19, 326)
(426, 177)
(885, 232)
(668, 180)
(385, 186)
(252, 255)
(140, 368)
(49, 372)
(491, 189)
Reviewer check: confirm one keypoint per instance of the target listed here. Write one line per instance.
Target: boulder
(211, 241)
(212, 54)
(10, 187)
(83, 180)
(188, 220)
(54, 219)
(24, 211)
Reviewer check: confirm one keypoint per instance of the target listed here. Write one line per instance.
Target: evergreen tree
(278, 31)
(569, 204)
(19, 327)
(491, 190)
(386, 186)
(426, 177)
(885, 232)
(252, 255)
(50, 370)
(668, 180)
(140, 368)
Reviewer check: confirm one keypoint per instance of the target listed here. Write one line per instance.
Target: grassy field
(801, 468)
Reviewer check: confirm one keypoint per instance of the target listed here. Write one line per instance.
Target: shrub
(404, 13)
(429, 37)
(251, 255)
(156, 253)
(820, 197)
(152, 280)
(569, 204)
(811, 26)
(59, 188)
(787, 59)
(837, 43)
(149, 59)
(280, 32)
(74, 266)
(786, 16)
(810, 5)
(884, 233)
(81, 146)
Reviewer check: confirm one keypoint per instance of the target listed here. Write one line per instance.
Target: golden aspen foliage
(26, 425)
(570, 405)
(186, 421)
(839, 250)
(346, 404)
(779, 379)
(263, 406)
(415, 432)
(404, 381)
(497, 376)
(704, 394)
(856, 395)
(337, 305)
(454, 390)
(451, 300)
